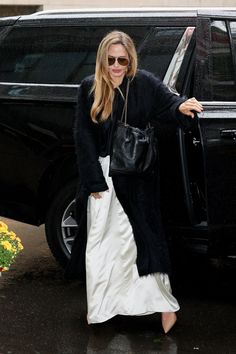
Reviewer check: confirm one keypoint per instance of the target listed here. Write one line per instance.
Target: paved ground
(42, 313)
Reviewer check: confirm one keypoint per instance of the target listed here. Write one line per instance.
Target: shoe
(168, 319)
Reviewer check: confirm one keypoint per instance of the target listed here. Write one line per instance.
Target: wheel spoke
(68, 226)
(69, 222)
(68, 239)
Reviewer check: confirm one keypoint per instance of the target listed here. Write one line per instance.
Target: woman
(127, 261)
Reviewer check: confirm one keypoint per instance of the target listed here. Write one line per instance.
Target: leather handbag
(133, 150)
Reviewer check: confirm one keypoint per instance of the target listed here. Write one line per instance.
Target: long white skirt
(113, 283)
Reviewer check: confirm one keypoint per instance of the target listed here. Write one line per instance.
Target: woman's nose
(116, 63)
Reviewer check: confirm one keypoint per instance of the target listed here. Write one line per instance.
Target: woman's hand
(96, 195)
(189, 106)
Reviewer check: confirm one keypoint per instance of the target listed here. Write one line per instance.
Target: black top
(148, 99)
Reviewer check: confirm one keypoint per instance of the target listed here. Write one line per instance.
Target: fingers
(197, 106)
(190, 106)
(96, 195)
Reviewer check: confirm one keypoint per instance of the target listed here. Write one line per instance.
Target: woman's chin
(117, 78)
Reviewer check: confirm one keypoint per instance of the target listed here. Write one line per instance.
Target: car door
(166, 49)
(215, 87)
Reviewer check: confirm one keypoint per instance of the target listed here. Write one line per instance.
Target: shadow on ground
(43, 313)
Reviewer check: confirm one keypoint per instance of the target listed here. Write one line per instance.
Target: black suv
(43, 58)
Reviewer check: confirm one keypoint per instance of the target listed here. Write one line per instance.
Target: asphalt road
(42, 313)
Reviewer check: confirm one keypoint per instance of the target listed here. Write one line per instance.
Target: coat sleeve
(164, 100)
(86, 144)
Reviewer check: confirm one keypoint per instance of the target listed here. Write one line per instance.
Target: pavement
(42, 313)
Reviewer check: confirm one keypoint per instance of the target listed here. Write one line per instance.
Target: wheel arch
(60, 223)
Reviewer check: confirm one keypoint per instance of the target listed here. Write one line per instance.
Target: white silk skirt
(114, 286)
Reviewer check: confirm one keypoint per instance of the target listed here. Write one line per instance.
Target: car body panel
(197, 165)
(218, 131)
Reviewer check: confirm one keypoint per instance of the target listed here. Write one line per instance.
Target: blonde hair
(102, 88)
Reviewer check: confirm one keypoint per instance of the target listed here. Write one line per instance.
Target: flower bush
(10, 246)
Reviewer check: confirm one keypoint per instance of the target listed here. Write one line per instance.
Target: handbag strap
(125, 108)
(123, 112)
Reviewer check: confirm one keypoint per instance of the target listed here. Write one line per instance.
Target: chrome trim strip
(172, 73)
(153, 11)
(37, 85)
(218, 103)
(212, 109)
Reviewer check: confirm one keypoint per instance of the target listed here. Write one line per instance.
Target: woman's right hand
(189, 106)
(96, 195)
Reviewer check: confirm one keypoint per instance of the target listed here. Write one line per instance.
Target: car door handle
(228, 134)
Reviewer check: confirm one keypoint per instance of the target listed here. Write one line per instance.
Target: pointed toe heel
(168, 320)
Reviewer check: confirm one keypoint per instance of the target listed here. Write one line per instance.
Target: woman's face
(117, 70)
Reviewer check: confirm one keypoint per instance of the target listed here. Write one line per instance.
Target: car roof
(148, 15)
(138, 11)
(126, 16)
(132, 11)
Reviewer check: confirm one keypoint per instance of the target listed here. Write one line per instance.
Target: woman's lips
(116, 71)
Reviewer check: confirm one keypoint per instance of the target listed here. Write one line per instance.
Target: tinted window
(54, 54)
(158, 48)
(221, 70)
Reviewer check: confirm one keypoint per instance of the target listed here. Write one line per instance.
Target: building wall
(13, 10)
(16, 7)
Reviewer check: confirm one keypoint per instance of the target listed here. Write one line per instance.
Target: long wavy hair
(103, 88)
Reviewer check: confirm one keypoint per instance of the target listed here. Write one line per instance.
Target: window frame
(149, 25)
(202, 67)
(105, 27)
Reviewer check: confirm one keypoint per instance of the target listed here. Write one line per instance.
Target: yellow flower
(3, 227)
(6, 245)
(12, 235)
(20, 247)
(10, 246)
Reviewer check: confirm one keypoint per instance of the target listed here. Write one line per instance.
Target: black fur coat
(149, 99)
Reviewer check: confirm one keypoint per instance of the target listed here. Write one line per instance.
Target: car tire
(60, 224)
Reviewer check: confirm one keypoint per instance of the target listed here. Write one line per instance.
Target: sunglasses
(121, 60)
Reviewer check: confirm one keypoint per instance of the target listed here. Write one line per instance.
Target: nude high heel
(168, 319)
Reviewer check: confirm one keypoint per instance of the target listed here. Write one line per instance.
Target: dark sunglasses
(122, 61)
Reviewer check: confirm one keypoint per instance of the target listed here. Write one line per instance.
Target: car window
(3, 31)
(158, 48)
(54, 55)
(221, 68)
(185, 77)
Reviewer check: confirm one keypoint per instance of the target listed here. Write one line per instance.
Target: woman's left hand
(188, 107)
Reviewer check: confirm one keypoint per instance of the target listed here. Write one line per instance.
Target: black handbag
(133, 150)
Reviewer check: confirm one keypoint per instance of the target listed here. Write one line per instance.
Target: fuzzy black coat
(149, 100)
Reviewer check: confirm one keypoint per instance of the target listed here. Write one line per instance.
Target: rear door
(216, 88)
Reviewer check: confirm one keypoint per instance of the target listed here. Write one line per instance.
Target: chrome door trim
(218, 103)
(218, 109)
(172, 73)
(7, 83)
